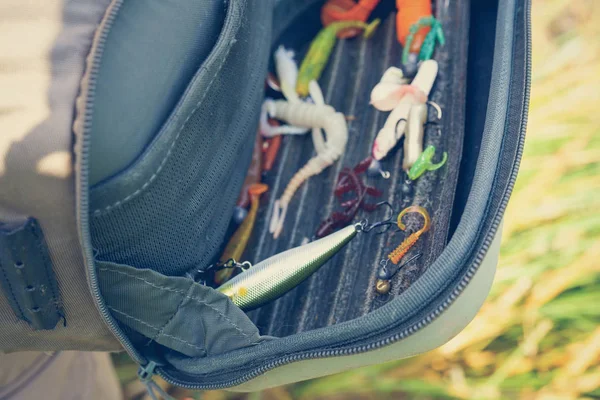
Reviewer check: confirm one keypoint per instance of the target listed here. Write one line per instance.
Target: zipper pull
(145, 374)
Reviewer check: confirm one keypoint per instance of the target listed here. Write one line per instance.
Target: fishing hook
(364, 225)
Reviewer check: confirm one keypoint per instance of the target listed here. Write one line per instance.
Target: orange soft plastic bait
(237, 244)
(347, 10)
(399, 252)
(410, 12)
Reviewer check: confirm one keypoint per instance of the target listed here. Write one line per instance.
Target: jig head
(424, 163)
(382, 286)
(387, 272)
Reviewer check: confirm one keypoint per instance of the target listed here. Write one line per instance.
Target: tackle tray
(344, 288)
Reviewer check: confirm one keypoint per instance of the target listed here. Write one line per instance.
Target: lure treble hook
(364, 225)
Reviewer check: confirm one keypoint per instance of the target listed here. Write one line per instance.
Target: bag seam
(233, 324)
(155, 328)
(161, 331)
(47, 262)
(12, 292)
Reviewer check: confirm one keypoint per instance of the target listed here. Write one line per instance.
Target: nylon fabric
(152, 51)
(42, 76)
(170, 210)
(177, 313)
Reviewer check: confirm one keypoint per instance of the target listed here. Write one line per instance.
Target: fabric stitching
(155, 328)
(160, 332)
(119, 203)
(47, 262)
(12, 292)
(233, 324)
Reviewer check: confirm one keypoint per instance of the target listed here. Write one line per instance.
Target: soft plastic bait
(391, 94)
(254, 173)
(347, 10)
(349, 182)
(410, 12)
(436, 34)
(424, 163)
(238, 242)
(316, 116)
(320, 49)
(382, 286)
(270, 150)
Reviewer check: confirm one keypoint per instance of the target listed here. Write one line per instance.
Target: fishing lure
(424, 163)
(436, 34)
(317, 116)
(270, 150)
(396, 255)
(386, 272)
(409, 12)
(252, 177)
(287, 72)
(349, 182)
(347, 10)
(277, 275)
(238, 242)
(320, 49)
(401, 98)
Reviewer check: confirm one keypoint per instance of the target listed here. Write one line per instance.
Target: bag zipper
(138, 358)
(497, 220)
(94, 66)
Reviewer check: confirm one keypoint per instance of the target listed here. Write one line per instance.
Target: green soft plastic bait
(424, 163)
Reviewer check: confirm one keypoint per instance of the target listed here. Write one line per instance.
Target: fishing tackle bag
(126, 183)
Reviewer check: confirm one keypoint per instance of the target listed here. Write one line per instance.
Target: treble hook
(364, 226)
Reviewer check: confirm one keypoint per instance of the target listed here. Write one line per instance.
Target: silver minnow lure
(279, 274)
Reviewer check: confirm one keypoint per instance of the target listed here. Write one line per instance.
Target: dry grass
(537, 336)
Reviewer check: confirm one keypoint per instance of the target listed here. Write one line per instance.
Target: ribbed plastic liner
(343, 289)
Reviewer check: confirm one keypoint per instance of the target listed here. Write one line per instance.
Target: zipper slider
(145, 375)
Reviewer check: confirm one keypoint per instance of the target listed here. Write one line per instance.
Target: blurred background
(538, 334)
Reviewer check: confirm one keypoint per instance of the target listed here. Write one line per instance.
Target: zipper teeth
(89, 106)
(455, 293)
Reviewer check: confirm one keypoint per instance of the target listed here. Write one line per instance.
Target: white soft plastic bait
(400, 98)
(320, 117)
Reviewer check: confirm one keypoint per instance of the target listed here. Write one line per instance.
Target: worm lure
(320, 49)
(382, 286)
(277, 275)
(349, 181)
(318, 116)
